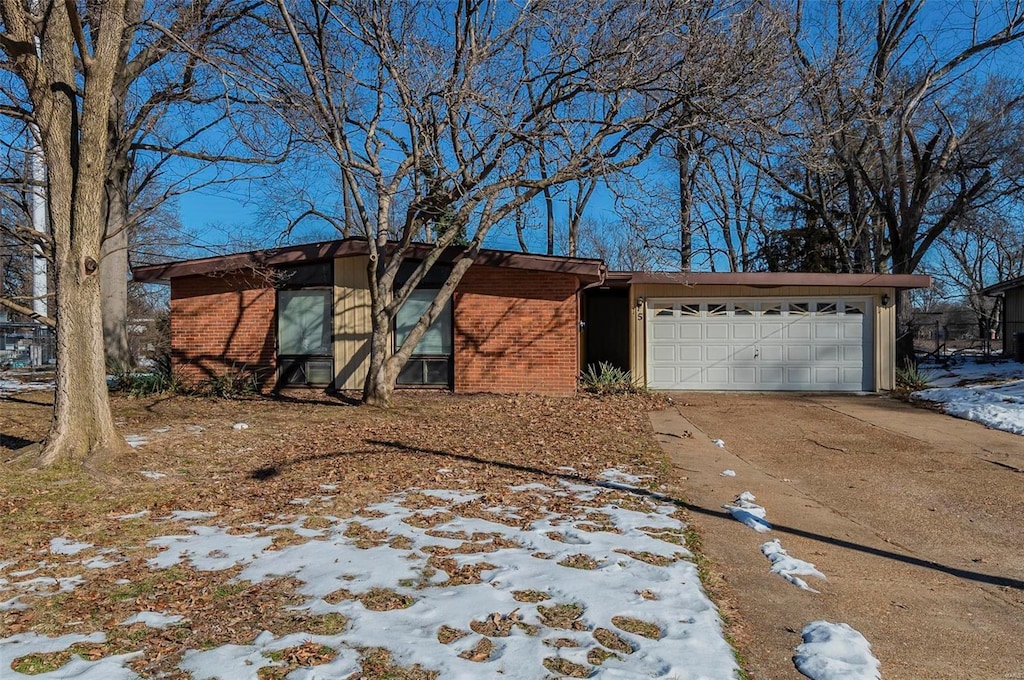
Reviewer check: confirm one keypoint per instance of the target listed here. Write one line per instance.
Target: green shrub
(236, 381)
(911, 378)
(159, 379)
(604, 378)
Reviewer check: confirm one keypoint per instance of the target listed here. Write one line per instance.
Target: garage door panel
(826, 353)
(799, 331)
(688, 331)
(770, 345)
(798, 375)
(665, 353)
(663, 331)
(717, 374)
(690, 353)
(798, 353)
(826, 330)
(744, 331)
(826, 375)
(716, 353)
(744, 375)
(716, 331)
(747, 353)
(853, 331)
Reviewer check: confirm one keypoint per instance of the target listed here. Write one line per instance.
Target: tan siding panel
(352, 323)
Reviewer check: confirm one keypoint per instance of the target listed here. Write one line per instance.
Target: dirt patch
(637, 626)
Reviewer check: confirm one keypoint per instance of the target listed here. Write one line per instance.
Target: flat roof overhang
(775, 279)
(588, 270)
(1003, 286)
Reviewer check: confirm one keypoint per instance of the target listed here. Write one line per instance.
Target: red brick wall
(222, 322)
(516, 331)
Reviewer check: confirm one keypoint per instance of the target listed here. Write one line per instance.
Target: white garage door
(813, 344)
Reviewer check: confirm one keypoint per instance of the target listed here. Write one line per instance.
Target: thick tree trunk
(379, 387)
(114, 279)
(82, 431)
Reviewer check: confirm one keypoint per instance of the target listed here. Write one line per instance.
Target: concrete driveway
(916, 518)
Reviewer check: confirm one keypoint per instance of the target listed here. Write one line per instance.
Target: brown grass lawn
(289, 450)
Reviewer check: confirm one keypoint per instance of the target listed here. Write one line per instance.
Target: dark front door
(607, 331)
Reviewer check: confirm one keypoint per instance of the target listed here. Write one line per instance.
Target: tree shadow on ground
(270, 471)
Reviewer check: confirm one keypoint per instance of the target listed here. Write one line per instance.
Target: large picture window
(304, 337)
(430, 363)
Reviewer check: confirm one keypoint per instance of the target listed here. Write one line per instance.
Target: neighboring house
(1012, 293)
(528, 323)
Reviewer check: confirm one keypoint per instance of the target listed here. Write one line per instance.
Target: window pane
(854, 308)
(437, 372)
(438, 338)
(304, 322)
(412, 373)
(716, 309)
(320, 372)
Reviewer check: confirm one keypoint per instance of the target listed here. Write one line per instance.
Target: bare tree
(176, 109)
(434, 113)
(67, 73)
(902, 136)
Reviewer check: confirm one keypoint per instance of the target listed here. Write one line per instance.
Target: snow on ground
(988, 393)
(621, 572)
(789, 567)
(835, 651)
(746, 511)
(13, 384)
(153, 619)
(23, 644)
(136, 440)
(727, 473)
(62, 546)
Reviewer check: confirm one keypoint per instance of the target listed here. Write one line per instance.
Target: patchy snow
(535, 556)
(136, 440)
(719, 443)
(134, 515)
(62, 546)
(23, 644)
(209, 548)
(195, 429)
(835, 651)
(727, 473)
(746, 511)
(615, 475)
(989, 393)
(152, 474)
(188, 515)
(101, 563)
(240, 426)
(789, 567)
(153, 619)
(45, 586)
(13, 385)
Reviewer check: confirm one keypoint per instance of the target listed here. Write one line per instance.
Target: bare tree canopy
(435, 115)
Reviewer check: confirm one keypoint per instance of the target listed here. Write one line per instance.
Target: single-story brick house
(1012, 293)
(528, 323)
